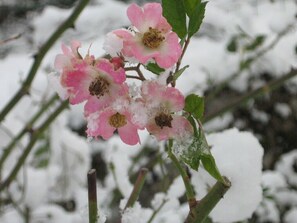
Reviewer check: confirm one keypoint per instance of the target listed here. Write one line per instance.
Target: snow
(239, 157)
(291, 216)
(286, 166)
(238, 154)
(283, 109)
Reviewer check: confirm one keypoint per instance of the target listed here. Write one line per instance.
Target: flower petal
(129, 134)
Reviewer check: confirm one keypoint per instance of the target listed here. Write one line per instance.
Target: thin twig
(92, 196)
(189, 189)
(26, 129)
(244, 65)
(25, 88)
(34, 138)
(137, 188)
(272, 85)
(157, 211)
(137, 70)
(14, 37)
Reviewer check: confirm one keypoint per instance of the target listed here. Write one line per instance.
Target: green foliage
(200, 151)
(232, 45)
(258, 41)
(196, 18)
(153, 67)
(253, 44)
(41, 156)
(190, 5)
(177, 74)
(174, 12)
(194, 105)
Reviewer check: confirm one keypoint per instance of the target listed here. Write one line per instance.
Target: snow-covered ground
(63, 178)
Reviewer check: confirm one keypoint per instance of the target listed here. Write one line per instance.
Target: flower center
(152, 38)
(163, 120)
(99, 87)
(117, 120)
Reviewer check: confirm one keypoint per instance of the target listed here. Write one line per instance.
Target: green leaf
(190, 5)
(210, 166)
(177, 74)
(258, 41)
(199, 150)
(174, 12)
(153, 67)
(196, 18)
(194, 105)
(232, 45)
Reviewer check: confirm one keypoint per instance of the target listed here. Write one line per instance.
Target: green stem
(92, 196)
(189, 189)
(39, 57)
(137, 188)
(201, 210)
(253, 94)
(157, 211)
(35, 136)
(26, 129)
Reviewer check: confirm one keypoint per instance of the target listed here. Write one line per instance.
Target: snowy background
(51, 186)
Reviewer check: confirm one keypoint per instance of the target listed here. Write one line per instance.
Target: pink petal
(160, 134)
(62, 61)
(170, 51)
(74, 47)
(181, 127)
(104, 128)
(77, 83)
(118, 76)
(129, 134)
(65, 50)
(175, 98)
(135, 15)
(152, 16)
(94, 104)
(140, 52)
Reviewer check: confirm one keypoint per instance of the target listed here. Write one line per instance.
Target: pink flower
(97, 81)
(106, 122)
(162, 103)
(152, 37)
(69, 57)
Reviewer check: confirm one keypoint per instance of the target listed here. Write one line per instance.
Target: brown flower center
(99, 87)
(163, 120)
(117, 120)
(152, 38)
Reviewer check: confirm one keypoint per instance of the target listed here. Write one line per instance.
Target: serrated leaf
(190, 5)
(153, 67)
(174, 12)
(196, 18)
(258, 41)
(194, 105)
(177, 74)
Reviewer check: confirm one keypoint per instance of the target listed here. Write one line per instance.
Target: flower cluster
(101, 83)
